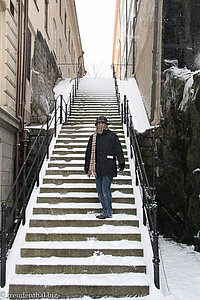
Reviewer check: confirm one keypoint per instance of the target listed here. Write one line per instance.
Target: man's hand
(121, 167)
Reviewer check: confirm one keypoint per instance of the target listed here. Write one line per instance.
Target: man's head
(101, 119)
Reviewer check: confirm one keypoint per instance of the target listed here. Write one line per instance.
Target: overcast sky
(96, 25)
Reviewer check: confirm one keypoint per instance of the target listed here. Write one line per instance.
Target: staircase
(68, 252)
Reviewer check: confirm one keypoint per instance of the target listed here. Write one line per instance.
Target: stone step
(75, 135)
(85, 220)
(77, 121)
(78, 285)
(77, 197)
(72, 157)
(48, 179)
(60, 164)
(64, 211)
(82, 248)
(88, 131)
(66, 171)
(89, 126)
(60, 150)
(82, 189)
(100, 233)
(88, 265)
(82, 141)
(107, 107)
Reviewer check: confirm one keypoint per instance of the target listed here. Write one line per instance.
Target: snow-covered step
(78, 285)
(81, 248)
(96, 264)
(59, 179)
(78, 220)
(67, 188)
(83, 197)
(100, 233)
(78, 210)
(65, 171)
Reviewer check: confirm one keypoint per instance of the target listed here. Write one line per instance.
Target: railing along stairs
(28, 175)
(149, 205)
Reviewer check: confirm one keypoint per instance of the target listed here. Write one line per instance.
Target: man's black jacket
(108, 147)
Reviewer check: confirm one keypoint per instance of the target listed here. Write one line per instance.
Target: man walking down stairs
(67, 251)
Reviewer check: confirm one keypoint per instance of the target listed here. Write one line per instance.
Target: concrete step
(75, 208)
(81, 248)
(77, 197)
(64, 189)
(75, 135)
(58, 149)
(88, 265)
(48, 179)
(66, 171)
(82, 142)
(84, 220)
(100, 233)
(89, 126)
(77, 285)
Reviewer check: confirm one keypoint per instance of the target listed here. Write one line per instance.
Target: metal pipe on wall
(21, 79)
(154, 71)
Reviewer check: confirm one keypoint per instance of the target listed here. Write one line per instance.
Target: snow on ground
(180, 264)
(181, 269)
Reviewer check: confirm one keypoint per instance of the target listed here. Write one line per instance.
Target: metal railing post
(72, 94)
(38, 162)
(122, 113)
(55, 124)
(127, 118)
(70, 103)
(61, 102)
(156, 259)
(47, 137)
(124, 109)
(3, 244)
(65, 112)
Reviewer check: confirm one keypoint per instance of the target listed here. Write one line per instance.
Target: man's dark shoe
(101, 216)
(109, 216)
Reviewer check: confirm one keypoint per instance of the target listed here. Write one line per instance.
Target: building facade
(39, 43)
(140, 49)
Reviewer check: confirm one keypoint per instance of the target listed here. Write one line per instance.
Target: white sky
(96, 25)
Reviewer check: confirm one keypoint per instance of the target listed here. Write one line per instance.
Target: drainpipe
(24, 70)
(18, 90)
(154, 67)
(134, 25)
(126, 39)
(21, 81)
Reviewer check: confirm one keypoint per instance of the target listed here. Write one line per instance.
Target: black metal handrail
(149, 204)
(28, 175)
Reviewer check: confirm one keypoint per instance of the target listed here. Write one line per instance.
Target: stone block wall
(45, 74)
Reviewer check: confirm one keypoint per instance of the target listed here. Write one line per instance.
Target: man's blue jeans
(103, 183)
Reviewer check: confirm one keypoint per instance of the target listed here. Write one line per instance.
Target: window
(12, 9)
(54, 36)
(46, 15)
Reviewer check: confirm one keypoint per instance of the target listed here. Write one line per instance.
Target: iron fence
(28, 176)
(149, 205)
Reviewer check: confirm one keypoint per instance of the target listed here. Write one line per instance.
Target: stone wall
(177, 162)
(181, 37)
(45, 73)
